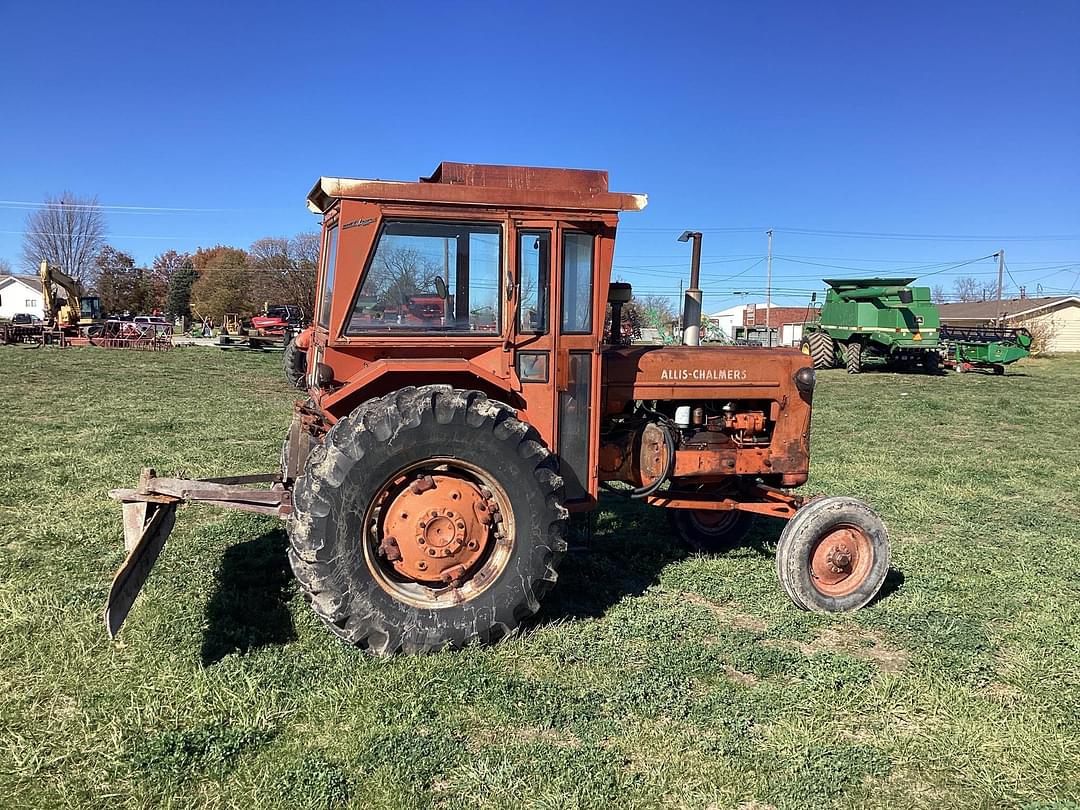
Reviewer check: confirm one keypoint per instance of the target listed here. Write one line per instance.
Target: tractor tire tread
(853, 357)
(294, 360)
(330, 566)
(822, 349)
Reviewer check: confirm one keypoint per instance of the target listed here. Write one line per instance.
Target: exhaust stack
(691, 320)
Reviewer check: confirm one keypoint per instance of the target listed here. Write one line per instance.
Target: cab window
(327, 289)
(577, 275)
(430, 278)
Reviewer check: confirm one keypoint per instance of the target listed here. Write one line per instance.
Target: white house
(20, 294)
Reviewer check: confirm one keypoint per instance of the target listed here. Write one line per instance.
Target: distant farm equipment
(984, 347)
(888, 320)
(874, 317)
(78, 320)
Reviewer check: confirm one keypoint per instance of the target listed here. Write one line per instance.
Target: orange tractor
(461, 403)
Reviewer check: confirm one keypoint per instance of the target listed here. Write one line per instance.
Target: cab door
(576, 359)
(533, 336)
(555, 344)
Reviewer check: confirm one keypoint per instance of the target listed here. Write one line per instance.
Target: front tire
(295, 362)
(427, 471)
(833, 556)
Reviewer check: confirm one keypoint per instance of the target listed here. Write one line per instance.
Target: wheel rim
(438, 533)
(841, 560)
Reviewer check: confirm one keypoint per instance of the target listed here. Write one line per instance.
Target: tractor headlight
(805, 379)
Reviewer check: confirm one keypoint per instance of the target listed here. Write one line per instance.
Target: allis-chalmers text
(703, 374)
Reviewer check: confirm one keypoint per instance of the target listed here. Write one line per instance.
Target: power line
(60, 206)
(931, 236)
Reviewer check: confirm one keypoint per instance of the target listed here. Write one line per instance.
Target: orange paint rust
(436, 529)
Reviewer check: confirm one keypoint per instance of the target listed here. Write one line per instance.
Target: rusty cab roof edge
(485, 185)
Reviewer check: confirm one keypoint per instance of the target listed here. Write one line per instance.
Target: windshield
(431, 277)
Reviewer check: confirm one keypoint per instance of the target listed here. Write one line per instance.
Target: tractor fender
(386, 375)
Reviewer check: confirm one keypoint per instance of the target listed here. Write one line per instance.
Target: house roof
(33, 282)
(1009, 308)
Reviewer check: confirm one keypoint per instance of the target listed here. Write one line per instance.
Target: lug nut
(421, 565)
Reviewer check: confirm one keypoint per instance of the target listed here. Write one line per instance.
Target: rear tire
(833, 555)
(294, 360)
(853, 357)
(820, 347)
(999, 369)
(338, 543)
(709, 531)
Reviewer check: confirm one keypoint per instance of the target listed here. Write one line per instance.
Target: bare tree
(969, 288)
(285, 269)
(5, 267)
(660, 306)
(937, 294)
(67, 231)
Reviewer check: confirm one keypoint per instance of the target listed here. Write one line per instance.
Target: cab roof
(478, 184)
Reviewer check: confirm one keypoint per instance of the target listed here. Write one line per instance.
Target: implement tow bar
(150, 513)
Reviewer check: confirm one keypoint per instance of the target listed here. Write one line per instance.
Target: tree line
(70, 232)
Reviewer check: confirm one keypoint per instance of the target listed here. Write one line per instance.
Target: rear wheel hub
(436, 528)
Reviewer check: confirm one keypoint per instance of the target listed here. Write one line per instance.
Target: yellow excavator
(70, 314)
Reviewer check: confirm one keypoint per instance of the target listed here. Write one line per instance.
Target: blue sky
(917, 122)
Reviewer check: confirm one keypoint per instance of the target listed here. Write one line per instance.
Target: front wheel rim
(841, 560)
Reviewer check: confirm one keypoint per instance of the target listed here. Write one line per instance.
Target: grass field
(652, 677)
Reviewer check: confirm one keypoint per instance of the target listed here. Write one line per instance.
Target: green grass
(652, 677)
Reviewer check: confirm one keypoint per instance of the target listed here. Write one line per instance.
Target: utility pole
(768, 291)
(1001, 275)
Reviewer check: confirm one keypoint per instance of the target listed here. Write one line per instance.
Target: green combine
(881, 318)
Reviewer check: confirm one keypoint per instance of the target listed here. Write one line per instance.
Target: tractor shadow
(249, 608)
(628, 548)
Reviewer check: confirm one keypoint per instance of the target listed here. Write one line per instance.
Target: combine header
(970, 347)
(462, 399)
